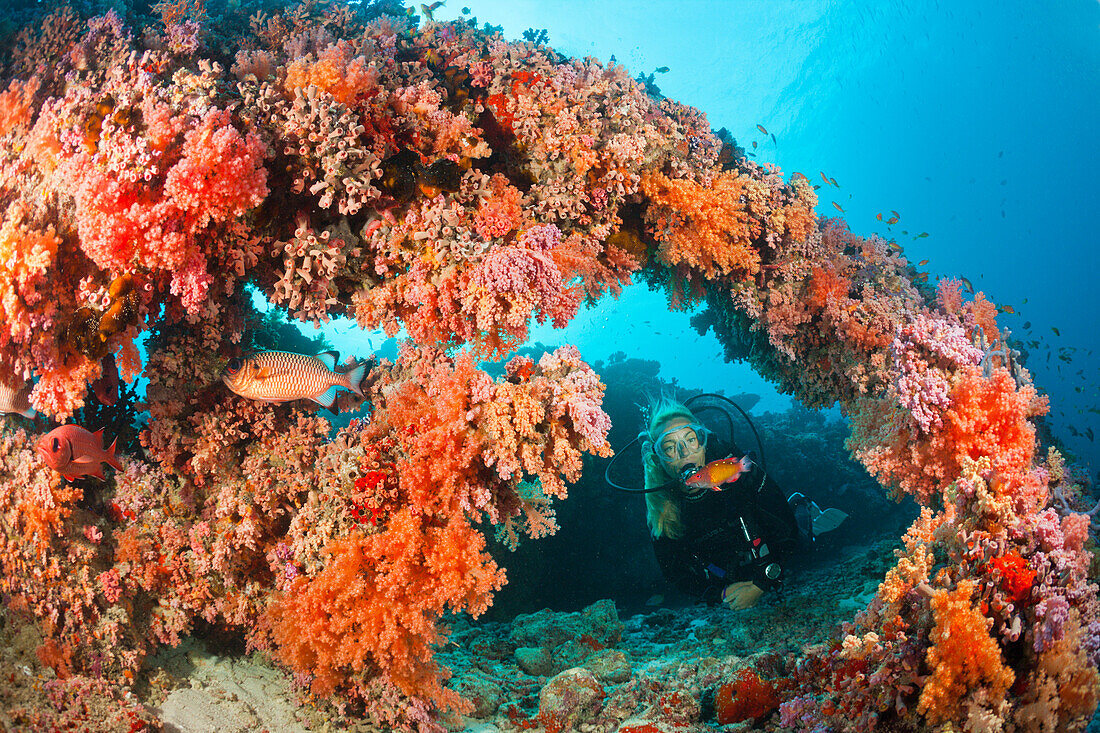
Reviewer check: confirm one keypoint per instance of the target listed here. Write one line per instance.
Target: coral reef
(435, 178)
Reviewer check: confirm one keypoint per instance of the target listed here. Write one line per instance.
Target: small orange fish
(72, 451)
(879, 216)
(716, 473)
(892, 220)
(754, 145)
(762, 130)
(1008, 309)
(923, 277)
(838, 207)
(824, 177)
(922, 263)
(896, 214)
(833, 181)
(281, 376)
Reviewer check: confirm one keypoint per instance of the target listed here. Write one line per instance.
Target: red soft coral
(1016, 577)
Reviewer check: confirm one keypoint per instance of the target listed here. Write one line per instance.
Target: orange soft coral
(376, 605)
(964, 658)
(826, 287)
(706, 227)
(800, 220)
(990, 416)
(15, 104)
(27, 256)
(347, 79)
(987, 416)
(983, 313)
(501, 212)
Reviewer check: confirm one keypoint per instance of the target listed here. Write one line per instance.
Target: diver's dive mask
(680, 441)
(707, 402)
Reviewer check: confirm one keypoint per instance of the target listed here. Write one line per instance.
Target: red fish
(106, 387)
(716, 473)
(73, 452)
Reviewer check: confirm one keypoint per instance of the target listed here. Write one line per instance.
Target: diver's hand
(742, 595)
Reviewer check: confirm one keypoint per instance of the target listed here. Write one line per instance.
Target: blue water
(976, 122)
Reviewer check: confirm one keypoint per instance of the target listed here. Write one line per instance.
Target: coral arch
(436, 178)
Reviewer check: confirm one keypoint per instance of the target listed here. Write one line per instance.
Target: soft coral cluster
(703, 225)
(214, 174)
(984, 417)
(963, 658)
(373, 599)
(27, 254)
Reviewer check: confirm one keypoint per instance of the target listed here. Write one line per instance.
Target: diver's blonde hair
(662, 507)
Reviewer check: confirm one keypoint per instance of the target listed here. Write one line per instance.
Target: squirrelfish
(15, 398)
(72, 451)
(281, 376)
(716, 473)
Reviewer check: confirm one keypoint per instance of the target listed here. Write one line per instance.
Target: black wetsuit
(713, 550)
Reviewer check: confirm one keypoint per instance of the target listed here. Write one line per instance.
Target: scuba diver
(722, 529)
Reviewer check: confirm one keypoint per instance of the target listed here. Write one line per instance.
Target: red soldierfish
(73, 452)
(716, 473)
(281, 376)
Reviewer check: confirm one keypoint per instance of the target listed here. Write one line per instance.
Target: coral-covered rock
(596, 626)
(484, 694)
(609, 665)
(534, 660)
(569, 698)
